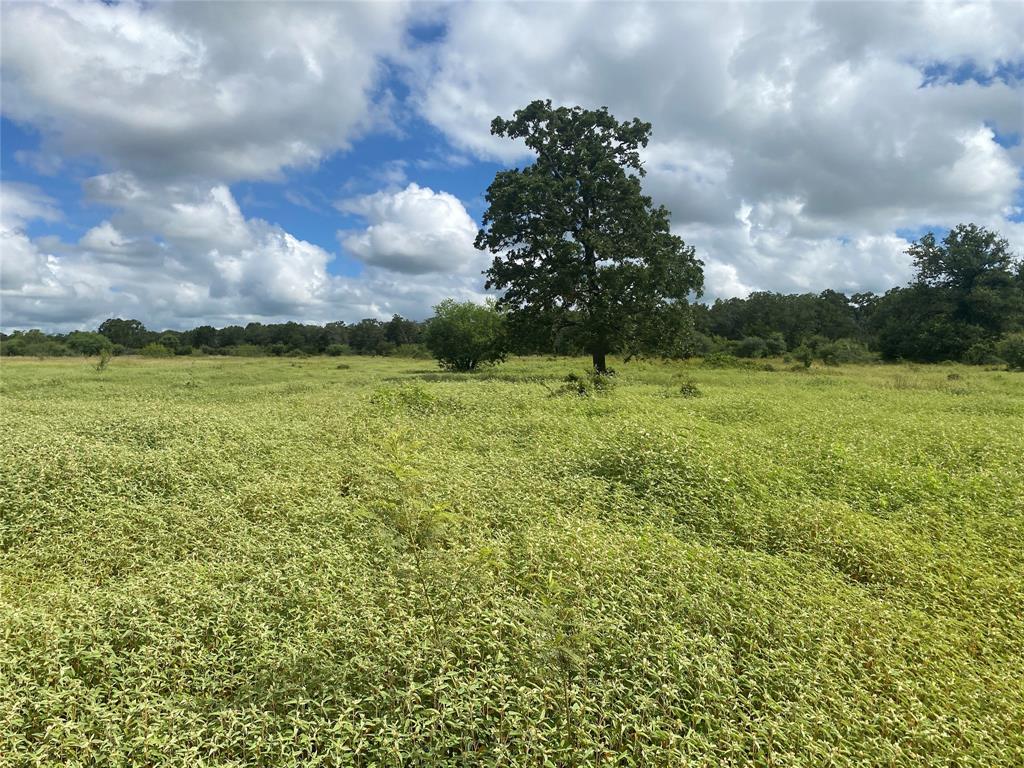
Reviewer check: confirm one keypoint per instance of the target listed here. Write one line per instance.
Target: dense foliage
(577, 245)
(968, 294)
(367, 337)
(966, 298)
(274, 562)
(465, 336)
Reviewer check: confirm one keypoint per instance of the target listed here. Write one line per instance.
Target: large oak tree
(577, 244)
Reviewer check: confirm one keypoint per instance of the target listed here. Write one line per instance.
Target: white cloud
(21, 203)
(176, 256)
(414, 230)
(221, 90)
(791, 142)
(813, 115)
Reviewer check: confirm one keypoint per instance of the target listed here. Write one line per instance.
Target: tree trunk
(600, 365)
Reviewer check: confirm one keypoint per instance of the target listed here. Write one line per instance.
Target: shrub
(415, 351)
(88, 344)
(463, 337)
(804, 355)
(104, 361)
(590, 383)
(155, 350)
(1011, 349)
(751, 346)
(337, 350)
(704, 345)
(844, 352)
(725, 360)
(689, 388)
(775, 345)
(982, 353)
(33, 343)
(722, 360)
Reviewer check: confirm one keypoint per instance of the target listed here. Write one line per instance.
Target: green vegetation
(465, 336)
(233, 561)
(578, 248)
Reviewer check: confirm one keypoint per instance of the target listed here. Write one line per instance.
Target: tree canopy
(576, 243)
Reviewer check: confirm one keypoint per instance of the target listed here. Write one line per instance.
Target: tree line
(587, 264)
(966, 304)
(126, 336)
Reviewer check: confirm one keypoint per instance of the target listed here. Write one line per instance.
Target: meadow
(369, 562)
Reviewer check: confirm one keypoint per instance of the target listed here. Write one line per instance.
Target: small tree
(465, 336)
(87, 343)
(128, 333)
(577, 244)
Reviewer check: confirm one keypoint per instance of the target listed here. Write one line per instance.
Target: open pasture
(359, 561)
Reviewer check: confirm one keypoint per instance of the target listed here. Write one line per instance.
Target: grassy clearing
(270, 562)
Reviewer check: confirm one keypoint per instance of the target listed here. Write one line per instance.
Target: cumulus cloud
(168, 254)
(792, 142)
(178, 100)
(181, 255)
(820, 119)
(414, 230)
(21, 203)
(222, 90)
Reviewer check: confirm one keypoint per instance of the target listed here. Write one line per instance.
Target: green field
(367, 562)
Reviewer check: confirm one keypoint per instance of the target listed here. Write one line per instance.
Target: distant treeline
(964, 308)
(367, 337)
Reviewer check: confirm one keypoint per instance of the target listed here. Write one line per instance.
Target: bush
(775, 345)
(590, 383)
(155, 350)
(689, 388)
(722, 360)
(844, 352)
(88, 344)
(983, 353)
(463, 337)
(337, 350)
(1011, 349)
(415, 351)
(751, 346)
(804, 355)
(104, 361)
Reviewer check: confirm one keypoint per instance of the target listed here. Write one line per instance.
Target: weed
(104, 360)
(286, 566)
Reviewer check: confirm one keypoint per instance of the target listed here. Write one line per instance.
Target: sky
(199, 162)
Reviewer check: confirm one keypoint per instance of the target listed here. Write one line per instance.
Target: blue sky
(202, 162)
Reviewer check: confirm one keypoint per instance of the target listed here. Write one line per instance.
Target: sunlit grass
(266, 562)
